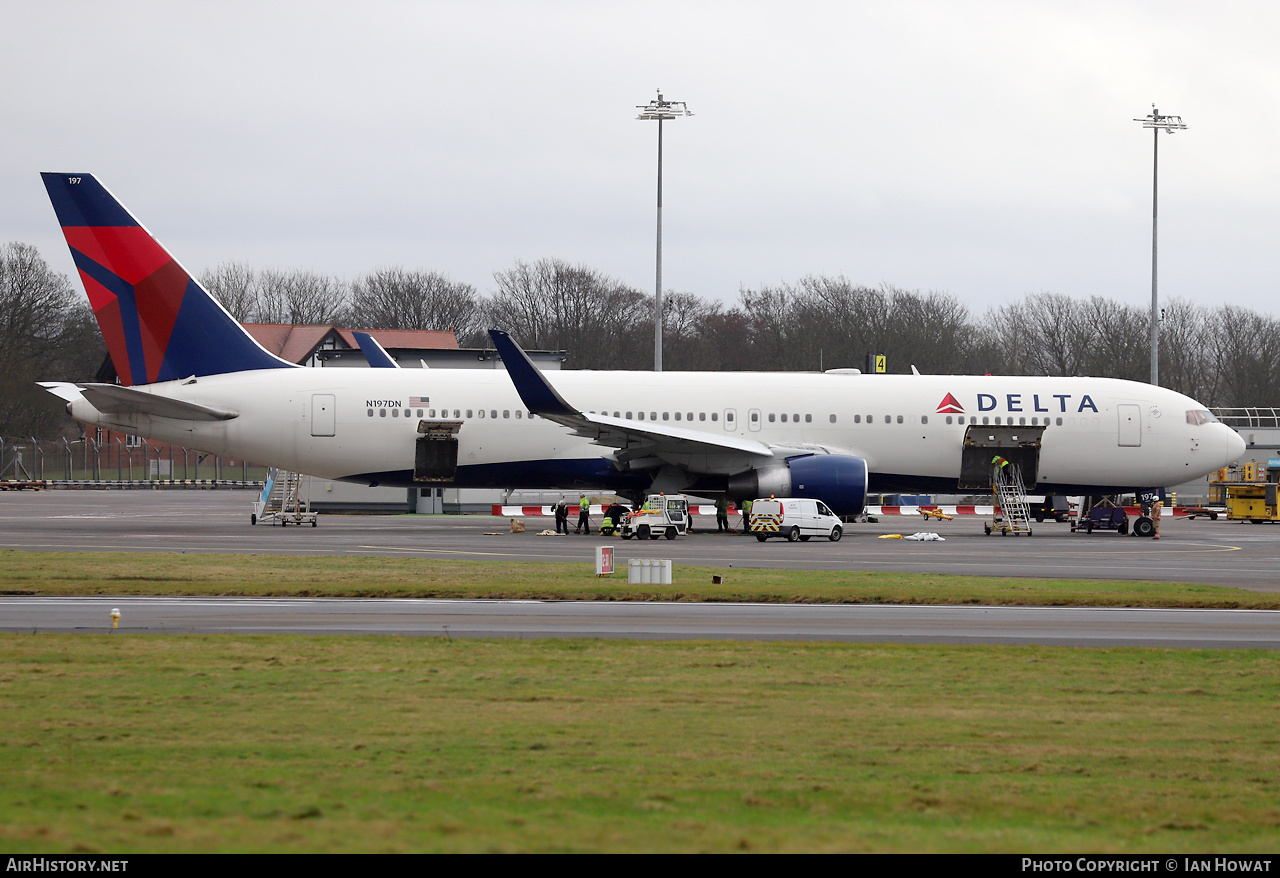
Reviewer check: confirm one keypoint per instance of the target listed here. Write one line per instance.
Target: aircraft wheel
(836, 533)
(761, 537)
(1144, 527)
(793, 534)
(253, 518)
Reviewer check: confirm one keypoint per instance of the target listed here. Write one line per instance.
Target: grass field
(121, 744)
(156, 743)
(48, 573)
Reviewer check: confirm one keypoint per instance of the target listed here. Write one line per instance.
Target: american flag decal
(419, 401)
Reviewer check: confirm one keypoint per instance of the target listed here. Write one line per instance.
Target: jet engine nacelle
(838, 480)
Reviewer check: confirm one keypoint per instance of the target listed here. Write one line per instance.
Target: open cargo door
(1019, 445)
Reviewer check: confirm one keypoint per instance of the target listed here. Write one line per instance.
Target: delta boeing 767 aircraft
(190, 374)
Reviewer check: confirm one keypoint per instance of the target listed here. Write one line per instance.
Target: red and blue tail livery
(158, 322)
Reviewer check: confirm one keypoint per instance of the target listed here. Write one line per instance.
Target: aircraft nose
(1235, 445)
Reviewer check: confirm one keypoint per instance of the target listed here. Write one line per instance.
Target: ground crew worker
(562, 516)
(722, 515)
(746, 516)
(999, 461)
(584, 507)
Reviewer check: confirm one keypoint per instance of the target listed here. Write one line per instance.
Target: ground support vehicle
(1247, 490)
(796, 518)
(1054, 506)
(662, 515)
(1103, 515)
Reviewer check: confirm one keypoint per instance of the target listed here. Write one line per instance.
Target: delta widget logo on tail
(950, 406)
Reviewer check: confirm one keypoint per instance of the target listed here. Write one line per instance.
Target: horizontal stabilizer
(112, 398)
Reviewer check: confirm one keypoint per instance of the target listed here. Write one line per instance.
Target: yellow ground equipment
(1247, 490)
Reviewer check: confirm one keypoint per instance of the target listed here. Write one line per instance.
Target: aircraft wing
(543, 400)
(114, 398)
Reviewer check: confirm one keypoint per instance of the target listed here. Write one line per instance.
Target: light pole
(661, 110)
(1169, 124)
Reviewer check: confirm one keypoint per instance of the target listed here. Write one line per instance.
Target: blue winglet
(374, 353)
(534, 389)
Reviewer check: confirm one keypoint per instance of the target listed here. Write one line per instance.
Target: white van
(796, 518)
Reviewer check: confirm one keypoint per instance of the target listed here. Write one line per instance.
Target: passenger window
(469, 413)
(857, 419)
(382, 413)
(888, 419)
(771, 418)
(395, 413)
(640, 416)
(962, 420)
(506, 413)
(481, 413)
(493, 413)
(653, 416)
(519, 414)
(702, 416)
(832, 418)
(371, 413)
(677, 416)
(948, 419)
(665, 416)
(715, 416)
(689, 416)
(419, 412)
(924, 419)
(808, 419)
(899, 419)
(628, 416)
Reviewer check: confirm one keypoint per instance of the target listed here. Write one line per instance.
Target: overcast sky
(985, 148)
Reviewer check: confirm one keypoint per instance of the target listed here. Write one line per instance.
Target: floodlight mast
(662, 110)
(1168, 124)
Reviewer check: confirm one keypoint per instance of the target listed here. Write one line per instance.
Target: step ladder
(1012, 513)
(285, 499)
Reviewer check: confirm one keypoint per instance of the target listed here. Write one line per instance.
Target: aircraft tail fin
(158, 322)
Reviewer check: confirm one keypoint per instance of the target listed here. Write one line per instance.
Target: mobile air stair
(1012, 513)
(285, 499)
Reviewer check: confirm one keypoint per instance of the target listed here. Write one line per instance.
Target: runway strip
(1202, 629)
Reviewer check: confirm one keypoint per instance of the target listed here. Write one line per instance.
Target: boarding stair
(1011, 513)
(285, 499)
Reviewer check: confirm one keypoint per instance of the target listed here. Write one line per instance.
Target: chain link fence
(119, 461)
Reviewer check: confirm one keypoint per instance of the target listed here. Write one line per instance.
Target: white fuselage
(361, 424)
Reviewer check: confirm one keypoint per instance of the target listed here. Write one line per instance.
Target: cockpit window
(1201, 417)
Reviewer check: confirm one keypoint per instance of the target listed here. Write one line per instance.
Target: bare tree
(235, 286)
(45, 335)
(392, 298)
(299, 297)
(553, 305)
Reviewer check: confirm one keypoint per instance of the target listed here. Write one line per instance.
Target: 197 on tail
(158, 322)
